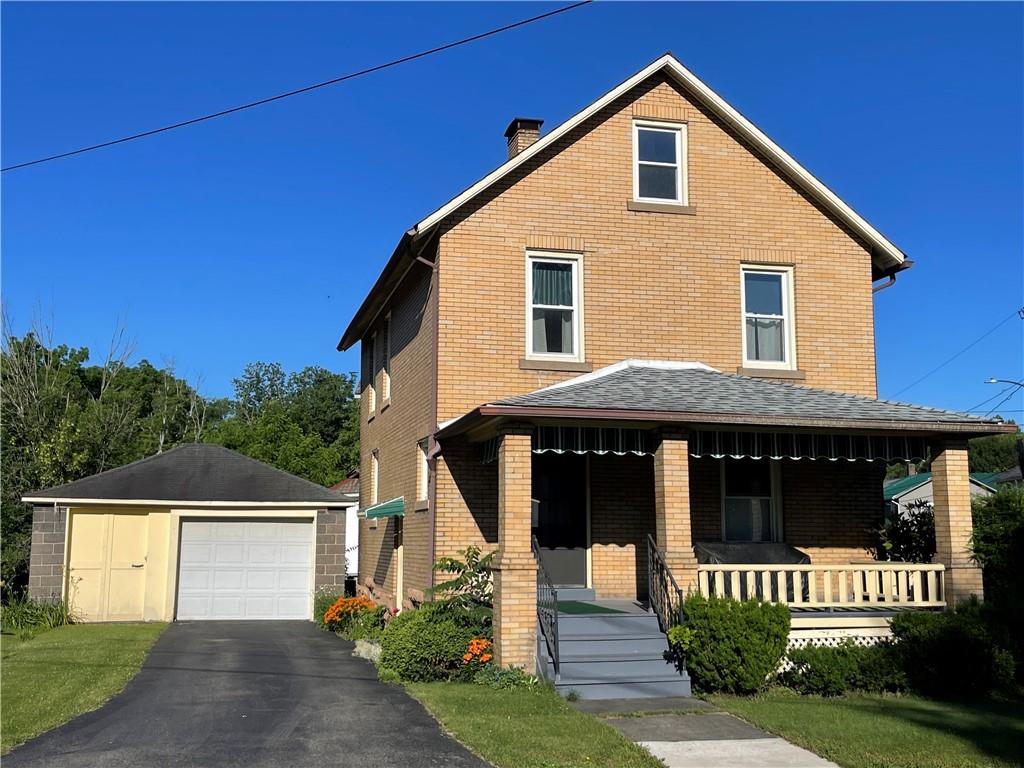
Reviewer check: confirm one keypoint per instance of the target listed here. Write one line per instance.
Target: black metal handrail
(663, 592)
(547, 607)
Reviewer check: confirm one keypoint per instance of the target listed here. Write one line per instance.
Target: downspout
(891, 274)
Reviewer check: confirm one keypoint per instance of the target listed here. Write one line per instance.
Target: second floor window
(659, 172)
(553, 295)
(767, 318)
(385, 369)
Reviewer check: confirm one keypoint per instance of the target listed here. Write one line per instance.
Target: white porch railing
(870, 585)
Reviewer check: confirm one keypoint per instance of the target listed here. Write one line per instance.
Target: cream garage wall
(121, 563)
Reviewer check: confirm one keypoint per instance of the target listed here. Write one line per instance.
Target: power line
(936, 369)
(996, 406)
(987, 400)
(304, 89)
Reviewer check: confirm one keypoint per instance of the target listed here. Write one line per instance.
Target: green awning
(390, 508)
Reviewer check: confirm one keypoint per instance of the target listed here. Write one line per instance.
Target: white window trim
(385, 368)
(371, 387)
(682, 175)
(374, 484)
(788, 318)
(558, 257)
(422, 470)
(776, 497)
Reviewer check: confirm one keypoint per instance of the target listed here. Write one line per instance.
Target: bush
(909, 536)
(323, 599)
(954, 653)
(734, 646)
(366, 625)
(504, 678)
(832, 671)
(23, 614)
(429, 643)
(344, 610)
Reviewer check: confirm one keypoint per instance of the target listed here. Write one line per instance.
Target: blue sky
(256, 236)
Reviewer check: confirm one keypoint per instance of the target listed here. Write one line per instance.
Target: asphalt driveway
(271, 693)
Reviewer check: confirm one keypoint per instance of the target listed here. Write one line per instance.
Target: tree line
(66, 415)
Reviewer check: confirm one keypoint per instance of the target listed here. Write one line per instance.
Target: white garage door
(245, 569)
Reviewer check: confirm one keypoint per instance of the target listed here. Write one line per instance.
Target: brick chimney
(521, 133)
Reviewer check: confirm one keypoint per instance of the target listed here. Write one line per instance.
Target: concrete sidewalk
(685, 733)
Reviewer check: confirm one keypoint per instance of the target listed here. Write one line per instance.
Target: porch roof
(693, 393)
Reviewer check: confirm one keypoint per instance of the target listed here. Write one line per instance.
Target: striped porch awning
(580, 440)
(719, 444)
(793, 445)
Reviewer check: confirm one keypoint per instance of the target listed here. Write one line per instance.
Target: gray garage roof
(694, 389)
(195, 473)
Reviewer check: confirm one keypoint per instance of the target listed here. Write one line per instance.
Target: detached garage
(198, 532)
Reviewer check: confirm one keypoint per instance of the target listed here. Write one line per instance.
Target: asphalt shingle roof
(650, 386)
(195, 472)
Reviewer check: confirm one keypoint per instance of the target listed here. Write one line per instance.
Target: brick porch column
(515, 570)
(951, 487)
(672, 507)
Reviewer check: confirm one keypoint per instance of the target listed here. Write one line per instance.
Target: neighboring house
(653, 322)
(349, 488)
(197, 532)
(900, 493)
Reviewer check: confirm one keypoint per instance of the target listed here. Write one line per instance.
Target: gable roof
(194, 473)
(885, 254)
(655, 390)
(894, 489)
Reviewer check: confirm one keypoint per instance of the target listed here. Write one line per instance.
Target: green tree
(996, 453)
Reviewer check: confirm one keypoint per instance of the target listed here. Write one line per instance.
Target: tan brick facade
(952, 503)
(655, 285)
(393, 429)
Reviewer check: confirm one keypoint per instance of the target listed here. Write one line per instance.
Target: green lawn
(524, 728)
(865, 731)
(48, 679)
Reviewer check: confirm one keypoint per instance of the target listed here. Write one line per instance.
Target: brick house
(648, 330)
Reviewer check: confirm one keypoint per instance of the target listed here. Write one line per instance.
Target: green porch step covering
(579, 608)
(390, 508)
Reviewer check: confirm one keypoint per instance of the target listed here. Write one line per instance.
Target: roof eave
(71, 501)
(970, 429)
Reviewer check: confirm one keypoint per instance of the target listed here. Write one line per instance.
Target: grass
(49, 678)
(527, 728)
(885, 731)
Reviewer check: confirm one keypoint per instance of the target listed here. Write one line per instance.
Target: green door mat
(575, 607)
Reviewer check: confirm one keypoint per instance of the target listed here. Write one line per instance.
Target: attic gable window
(553, 307)
(659, 162)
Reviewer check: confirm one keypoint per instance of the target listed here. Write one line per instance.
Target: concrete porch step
(614, 670)
(617, 645)
(608, 624)
(575, 593)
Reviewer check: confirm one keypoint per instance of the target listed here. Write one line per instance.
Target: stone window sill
(772, 373)
(421, 506)
(685, 210)
(527, 364)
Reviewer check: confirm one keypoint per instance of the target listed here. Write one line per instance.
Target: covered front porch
(597, 502)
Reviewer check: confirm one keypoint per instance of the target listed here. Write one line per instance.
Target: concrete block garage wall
(46, 561)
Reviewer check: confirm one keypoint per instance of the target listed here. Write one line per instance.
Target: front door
(560, 524)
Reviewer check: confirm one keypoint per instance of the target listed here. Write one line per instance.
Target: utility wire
(936, 369)
(304, 89)
(987, 400)
(996, 406)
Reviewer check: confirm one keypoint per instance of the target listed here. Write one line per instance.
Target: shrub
(366, 625)
(344, 610)
(953, 653)
(832, 671)
(429, 643)
(504, 678)
(23, 614)
(734, 646)
(909, 536)
(470, 589)
(323, 599)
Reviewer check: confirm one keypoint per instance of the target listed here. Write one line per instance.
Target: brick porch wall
(46, 561)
